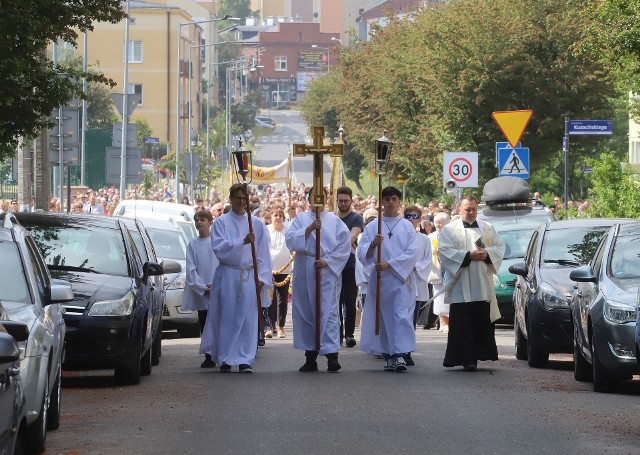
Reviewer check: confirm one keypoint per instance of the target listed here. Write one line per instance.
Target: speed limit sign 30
(461, 167)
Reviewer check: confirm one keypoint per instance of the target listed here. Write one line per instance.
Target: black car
(604, 310)
(112, 321)
(542, 321)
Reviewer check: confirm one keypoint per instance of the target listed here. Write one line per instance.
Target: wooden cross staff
(318, 150)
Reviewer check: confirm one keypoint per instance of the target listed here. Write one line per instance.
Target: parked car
(110, 321)
(516, 239)
(13, 410)
(180, 213)
(265, 119)
(169, 242)
(542, 321)
(147, 253)
(603, 310)
(264, 124)
(29, 295)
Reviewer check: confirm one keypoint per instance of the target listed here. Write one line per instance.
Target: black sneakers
(244, 368)
(332, 363)
(208, 363)
(224, 368)
(350, 342)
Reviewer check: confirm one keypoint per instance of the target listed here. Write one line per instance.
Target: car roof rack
(506, 190)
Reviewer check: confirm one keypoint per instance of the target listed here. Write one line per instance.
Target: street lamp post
(178, 97)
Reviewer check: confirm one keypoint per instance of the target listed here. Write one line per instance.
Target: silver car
(170, 243)
(29, 295)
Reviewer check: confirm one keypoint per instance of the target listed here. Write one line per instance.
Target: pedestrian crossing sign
(513, 162)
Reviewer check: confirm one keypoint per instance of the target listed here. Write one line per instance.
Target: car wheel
(37, 431)
(520, 341)
(192, 331)
(145, 362)
(536, 356)
(53, 416)
(156, 349)
(601, 380)
(581, 368)
(130, 374)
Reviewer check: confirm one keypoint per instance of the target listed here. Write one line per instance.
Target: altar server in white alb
(397, 289)
(201, 265)
(470, 251)
(230, 334)
(335, 245)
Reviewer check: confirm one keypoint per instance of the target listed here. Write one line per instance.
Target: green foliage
(243, 115)
(147, 183)
(433, 81)
(615, 189)
(234, 8)
(31, 87)
(144, 130)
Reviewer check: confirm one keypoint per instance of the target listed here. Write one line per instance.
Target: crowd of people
(435, 267)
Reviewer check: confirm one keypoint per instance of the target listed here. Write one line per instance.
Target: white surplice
(424, 262)
(231, 332)
(474, 283)
(397, 289)
(201, 266)
(335, 247)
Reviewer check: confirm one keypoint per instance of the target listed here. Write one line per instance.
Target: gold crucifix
(318, 150)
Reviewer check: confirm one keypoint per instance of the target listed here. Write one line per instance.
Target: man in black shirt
(349, 291)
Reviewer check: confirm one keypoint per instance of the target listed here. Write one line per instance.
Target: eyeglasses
(412, 216)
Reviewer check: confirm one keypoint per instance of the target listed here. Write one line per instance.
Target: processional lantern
(243, 158)
(383, 148)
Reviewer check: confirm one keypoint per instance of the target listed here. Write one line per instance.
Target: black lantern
(383, 152)
(242, 158)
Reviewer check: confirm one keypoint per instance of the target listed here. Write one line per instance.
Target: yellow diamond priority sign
(512, 124)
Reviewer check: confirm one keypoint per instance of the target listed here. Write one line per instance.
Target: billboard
(304, 78)
(316, 59)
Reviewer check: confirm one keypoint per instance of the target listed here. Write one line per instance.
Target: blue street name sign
(152, 140)
(503, 145)
(590, 128)
(513, 162)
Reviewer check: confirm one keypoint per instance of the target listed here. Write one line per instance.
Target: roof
(397, 7)
(586, 222)
(67, 220)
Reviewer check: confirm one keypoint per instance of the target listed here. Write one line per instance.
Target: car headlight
(619, 313)
(550, 297)
(120, 307)
(179, 282)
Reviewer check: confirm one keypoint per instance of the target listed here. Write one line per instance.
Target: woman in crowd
(440, 308)
(281, 263)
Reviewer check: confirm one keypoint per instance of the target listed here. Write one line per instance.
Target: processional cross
(318, 150)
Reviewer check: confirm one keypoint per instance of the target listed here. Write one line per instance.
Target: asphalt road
(271, 149)
(504, 408)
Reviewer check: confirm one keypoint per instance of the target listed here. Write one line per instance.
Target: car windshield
(625, 259)
(516, 241)
(188, 228)
(86, 248)
(13, 282)
(168, 244)
(570, 247)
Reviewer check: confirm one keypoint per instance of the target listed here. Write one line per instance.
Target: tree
(100, 110)
(235, 8)
(144, 130)
(31, 87)
(434, 79)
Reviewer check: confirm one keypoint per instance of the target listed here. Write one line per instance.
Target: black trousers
(471, 334)
(348, 296)
(279, 302)
(202, 319)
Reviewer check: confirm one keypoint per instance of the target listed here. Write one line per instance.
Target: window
(280, 63)
(135, 89)
(135, 51)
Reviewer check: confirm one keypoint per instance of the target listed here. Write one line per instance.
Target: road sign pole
(565, 149)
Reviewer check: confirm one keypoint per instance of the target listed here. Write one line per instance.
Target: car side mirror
(61, 291)
(519, 268)
(9, 351)
(151, 269)
(169, 266)
(583, 274)
(18, 330)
